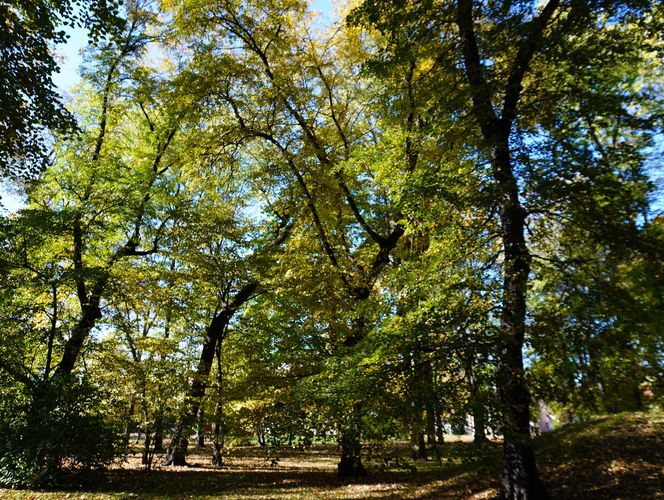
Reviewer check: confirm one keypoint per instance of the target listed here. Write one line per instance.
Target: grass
(620, 456)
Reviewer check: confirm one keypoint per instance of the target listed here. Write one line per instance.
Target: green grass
(620, 456)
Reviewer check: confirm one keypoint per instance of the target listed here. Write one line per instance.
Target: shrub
(62, 429)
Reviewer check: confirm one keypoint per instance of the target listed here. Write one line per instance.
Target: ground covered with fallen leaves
(620, 456)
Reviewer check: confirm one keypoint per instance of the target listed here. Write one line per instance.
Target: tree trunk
(477, 403)
(200, 428)
(431, 427)
(130, 413)
(90, 313)
(217, 437)
(177, 451)
(479, 419)
(350, 442)
(440, 429)
(520, 479)
(419, 444)
(145, 458)
(159, 433)
(260, 436)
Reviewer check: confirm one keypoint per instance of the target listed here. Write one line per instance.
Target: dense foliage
(266, 228)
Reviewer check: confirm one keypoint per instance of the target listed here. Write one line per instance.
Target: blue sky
(71, 56)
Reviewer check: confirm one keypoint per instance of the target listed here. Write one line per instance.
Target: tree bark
(479, 419)
(520, 477)
(440, 430)
(177, 451)
(90, 313)
(200, 428)
(431, 427)
(350, 442)
(159, 433)
(218, 436)
(130, 413)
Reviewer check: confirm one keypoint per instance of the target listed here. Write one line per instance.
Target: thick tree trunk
(90, 313)
(350, 432)
(419, 444)
(479, 420)
(350, 442)
(520, 477)
(177, 451)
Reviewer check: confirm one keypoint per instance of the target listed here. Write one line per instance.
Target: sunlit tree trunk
(217, 430)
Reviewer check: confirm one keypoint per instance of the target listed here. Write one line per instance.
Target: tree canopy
(366, 232)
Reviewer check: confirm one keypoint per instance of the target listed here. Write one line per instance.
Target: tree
(106, 194)
(230, 252)
(596, 295)
(285, 93)
(491, 64)
(29, 105)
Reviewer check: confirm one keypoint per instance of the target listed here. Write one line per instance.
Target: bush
(62, 429)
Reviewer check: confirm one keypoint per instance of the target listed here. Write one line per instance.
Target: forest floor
(621, 456)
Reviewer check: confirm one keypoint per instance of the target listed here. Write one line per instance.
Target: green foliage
(29, 104)
(62, 427)
(341, 179)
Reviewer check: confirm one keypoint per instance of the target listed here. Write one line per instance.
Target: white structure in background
(545, 417)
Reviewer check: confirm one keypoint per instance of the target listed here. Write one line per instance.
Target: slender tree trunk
(200, 428)
(130, 413)
(177, 451)
(218, 436)
(431, 427)
(52, 331)
(520, 478)
(440, 428)
(477, 402)
(428, 405)
(145, 458)
(260, 436)
(159, 433)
